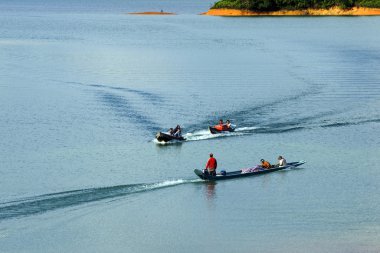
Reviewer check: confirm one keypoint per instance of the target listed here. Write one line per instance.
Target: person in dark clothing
(177, 131)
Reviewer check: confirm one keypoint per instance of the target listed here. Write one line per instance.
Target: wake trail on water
(116, 99)
(281, 116)
(272, 128)
(205, 134)
(295, 124)
(49, 202)
(200, 135)
(276, 116)
(148, 96)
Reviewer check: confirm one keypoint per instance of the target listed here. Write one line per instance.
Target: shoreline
(335, 11)
(152, 13)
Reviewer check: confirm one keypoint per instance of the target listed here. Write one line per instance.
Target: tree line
(274, 5)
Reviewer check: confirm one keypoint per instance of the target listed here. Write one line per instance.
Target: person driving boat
(228, 124)
(177, 132)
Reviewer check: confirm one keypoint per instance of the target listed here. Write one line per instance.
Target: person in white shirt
(228, 124)
(281, 161)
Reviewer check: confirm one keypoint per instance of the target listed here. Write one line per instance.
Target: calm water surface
(84, 88)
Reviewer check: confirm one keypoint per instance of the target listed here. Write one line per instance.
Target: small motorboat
(218, 129)
(164, 137)
(244, 173)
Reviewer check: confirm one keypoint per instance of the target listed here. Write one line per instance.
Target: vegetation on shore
(275, 5)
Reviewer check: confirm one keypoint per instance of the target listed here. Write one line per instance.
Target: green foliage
(367, 3)
(273, 5)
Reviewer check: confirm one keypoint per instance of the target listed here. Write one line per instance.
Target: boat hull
(213, 130)
(163, 137)
(238, 173)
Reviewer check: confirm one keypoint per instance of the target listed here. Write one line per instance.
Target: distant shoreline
(335, 11)
(152, 13)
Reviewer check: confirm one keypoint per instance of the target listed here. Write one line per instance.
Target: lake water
(84, 87)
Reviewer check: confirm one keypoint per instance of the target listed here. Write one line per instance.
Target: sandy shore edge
(152, 13)
(355, 11)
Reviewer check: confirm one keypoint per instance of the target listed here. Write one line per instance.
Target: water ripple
(48, 202)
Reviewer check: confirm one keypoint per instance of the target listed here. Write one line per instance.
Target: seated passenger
(265, 164)
(220, 126)
(228, 124)
(171, 131)
(177, 131)
(281, 161)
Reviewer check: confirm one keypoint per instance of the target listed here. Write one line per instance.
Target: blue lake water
(84, 87)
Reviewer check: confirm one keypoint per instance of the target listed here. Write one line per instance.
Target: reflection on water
(173, 147)
(210, 190)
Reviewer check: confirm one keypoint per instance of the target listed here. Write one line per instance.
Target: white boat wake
(204, 134)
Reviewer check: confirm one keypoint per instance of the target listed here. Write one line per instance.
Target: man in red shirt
(211, 165)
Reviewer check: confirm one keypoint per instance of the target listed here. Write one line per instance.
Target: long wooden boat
(163, 137)
(239, 173)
